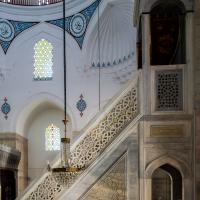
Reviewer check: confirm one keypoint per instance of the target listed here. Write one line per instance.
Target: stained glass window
(43, 60)
(52, 138)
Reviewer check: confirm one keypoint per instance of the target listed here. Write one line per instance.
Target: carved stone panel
(167, 130)
(111, 186)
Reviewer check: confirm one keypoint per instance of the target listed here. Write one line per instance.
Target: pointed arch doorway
(177, 179)
(166, 183)
(9, 179)
(7, 184)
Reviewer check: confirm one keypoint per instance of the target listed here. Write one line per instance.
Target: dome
(116, 37)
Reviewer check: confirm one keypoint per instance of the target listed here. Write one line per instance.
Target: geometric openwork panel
(48, 189)
(106, 130)
(52, 138)
(169, 90)
(43, 60)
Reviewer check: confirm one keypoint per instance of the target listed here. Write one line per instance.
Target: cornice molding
(41, 13)
(9, 157)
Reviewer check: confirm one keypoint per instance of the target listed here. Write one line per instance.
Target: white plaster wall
(36, 104)
(24, 94)
(37, 155)
(19, 85)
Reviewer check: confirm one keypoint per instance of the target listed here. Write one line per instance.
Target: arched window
(43, 60)
(52, 138)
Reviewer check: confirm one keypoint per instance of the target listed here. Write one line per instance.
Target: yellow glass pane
(43, 60)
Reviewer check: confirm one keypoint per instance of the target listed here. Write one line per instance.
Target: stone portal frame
(148, 4)
(180, 165)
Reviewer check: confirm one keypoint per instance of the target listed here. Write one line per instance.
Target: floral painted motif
(81, 105)
(5, 108)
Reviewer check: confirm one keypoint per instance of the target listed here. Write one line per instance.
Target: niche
(166, 183)
(7, 184)
(167, 22)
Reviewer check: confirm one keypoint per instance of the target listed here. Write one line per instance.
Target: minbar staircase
(106, 129)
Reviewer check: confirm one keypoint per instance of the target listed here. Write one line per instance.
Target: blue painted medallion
(6, 30)
(78, 25)
(75, 25)
(5, 108)
(81, 105)
(10, 29)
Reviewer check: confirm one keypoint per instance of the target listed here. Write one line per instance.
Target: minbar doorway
(7, 184)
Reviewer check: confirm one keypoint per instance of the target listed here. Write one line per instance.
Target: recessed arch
(176, 163)
(178, 3)
(166, 183)
(114, 24)
(30, 108)
(180, 166)
(38, 126)
(168, 36)
(151, 3)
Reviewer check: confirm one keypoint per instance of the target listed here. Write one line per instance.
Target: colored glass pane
(43, 60)
(52, 136)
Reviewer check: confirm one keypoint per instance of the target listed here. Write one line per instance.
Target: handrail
(119, 113)
(30, 2)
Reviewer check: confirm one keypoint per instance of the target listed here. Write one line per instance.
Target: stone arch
(23, 115)
(42, 29)
(174, 162)
(179, 3)
(151, 3)
(180, 165)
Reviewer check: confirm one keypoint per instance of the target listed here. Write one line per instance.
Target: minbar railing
(30, 2)
(110, 122)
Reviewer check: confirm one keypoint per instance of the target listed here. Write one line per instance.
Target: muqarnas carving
(112, 185)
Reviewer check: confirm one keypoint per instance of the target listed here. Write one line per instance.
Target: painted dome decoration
(78, 25)
(117, 37)
(10, 29)
(6, 30)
